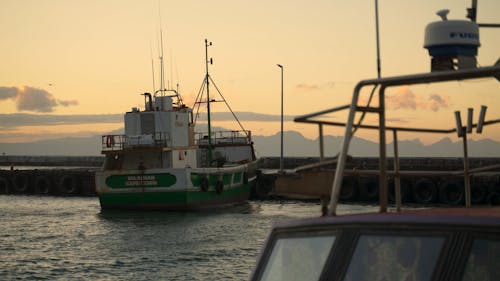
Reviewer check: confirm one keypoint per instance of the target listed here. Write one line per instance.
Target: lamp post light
(281, 153)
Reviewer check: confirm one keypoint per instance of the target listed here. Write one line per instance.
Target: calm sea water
(51, 238)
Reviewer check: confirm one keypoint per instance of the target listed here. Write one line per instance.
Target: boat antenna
(378, 40)
(472, 15)
(207, 61)
(152, 66)
(162, 72)
(472, 11)
(171, 82)
(379, 70)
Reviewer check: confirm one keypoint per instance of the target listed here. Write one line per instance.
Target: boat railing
(224, 137)
(350, 127)
(120, 142)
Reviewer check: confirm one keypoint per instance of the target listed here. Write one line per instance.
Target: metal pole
(466, 170)
(281, 152)
(383, 156)
(397, 177)
(208, 105)
(378, 40)
(321, 144)
(339, 171)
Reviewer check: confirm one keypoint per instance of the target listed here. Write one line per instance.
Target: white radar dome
(452, 44)
(452, 32)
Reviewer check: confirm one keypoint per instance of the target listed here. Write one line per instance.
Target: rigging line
(200, 91)
(196, 103)
(229, 107)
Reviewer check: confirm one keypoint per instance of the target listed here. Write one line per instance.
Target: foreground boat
(409, 245)
(160, 163)
(438, 244)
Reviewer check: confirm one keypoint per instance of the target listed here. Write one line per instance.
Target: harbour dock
(431, 181)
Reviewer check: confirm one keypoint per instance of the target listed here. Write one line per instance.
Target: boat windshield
(483, 261)
(388, 257)
(298, 258)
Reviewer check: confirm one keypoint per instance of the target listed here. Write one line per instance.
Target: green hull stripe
(170, 197)
(213, 179)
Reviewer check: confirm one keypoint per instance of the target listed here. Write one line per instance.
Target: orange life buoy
(110, 141)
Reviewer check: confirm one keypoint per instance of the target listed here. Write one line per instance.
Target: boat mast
(162, 73)
(208, 101)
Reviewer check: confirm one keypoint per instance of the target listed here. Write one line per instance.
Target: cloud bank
(33, 99)
(23, 119)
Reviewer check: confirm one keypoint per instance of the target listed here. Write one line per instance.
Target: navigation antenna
(162, 73)
(152, 66)
(199, 101)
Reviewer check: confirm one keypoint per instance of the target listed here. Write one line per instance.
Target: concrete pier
(51, 161)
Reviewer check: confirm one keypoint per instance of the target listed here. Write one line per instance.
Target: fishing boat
(401, 244)
(161, 163)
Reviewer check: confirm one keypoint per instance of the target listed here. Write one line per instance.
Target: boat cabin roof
(450, 216)
(424, 244)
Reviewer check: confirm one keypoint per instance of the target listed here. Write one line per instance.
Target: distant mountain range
(295, 144)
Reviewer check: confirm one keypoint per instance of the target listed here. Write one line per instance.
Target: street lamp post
(281, 154)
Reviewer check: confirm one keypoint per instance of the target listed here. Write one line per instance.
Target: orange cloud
(307, 87)
(406, 99)
(312, 87)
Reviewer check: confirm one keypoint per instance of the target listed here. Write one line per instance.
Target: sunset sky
(72, 68)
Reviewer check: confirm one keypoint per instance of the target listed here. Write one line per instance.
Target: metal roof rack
(383, 84)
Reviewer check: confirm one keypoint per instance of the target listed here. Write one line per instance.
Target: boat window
(298, 258)
(483, 261)
(388, 258)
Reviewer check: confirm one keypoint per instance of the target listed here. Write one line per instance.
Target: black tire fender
(425, 191)
(204, 184)
(21, 182)
(5, 185)
(43, 185)
(68, 184)
(219, 187)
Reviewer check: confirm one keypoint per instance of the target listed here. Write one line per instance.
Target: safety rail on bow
(120, 142)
